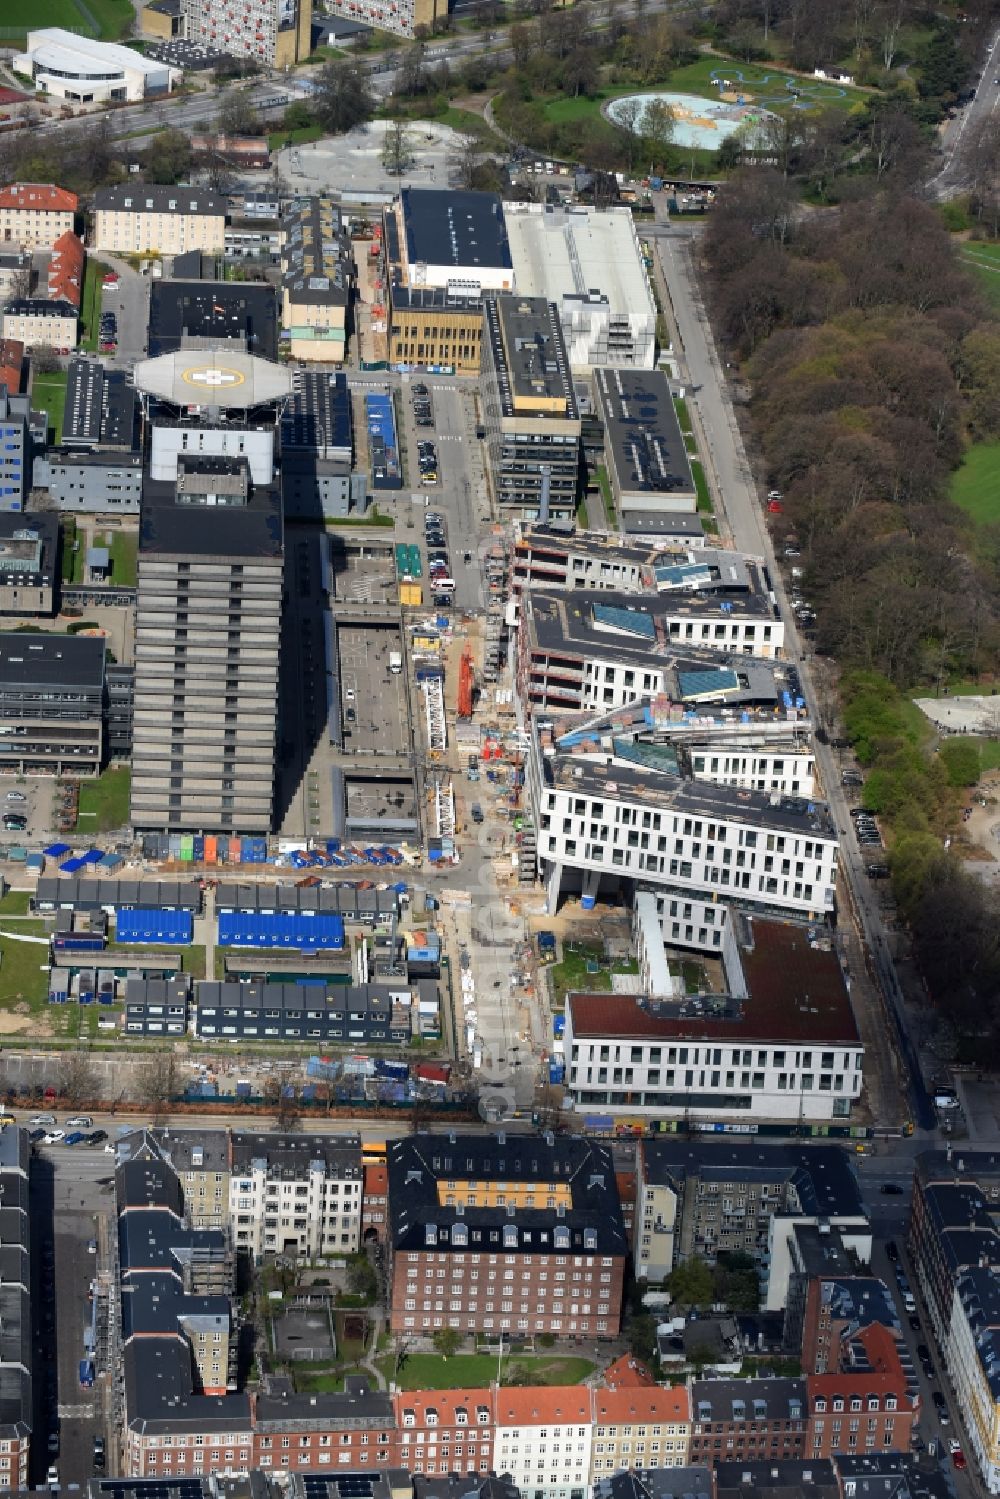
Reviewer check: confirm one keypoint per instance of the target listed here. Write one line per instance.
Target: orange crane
(466, 678)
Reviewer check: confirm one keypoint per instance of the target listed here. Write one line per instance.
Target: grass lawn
(976, 485)
(984, 262)
(113, 16)
(764, 85)
(104, 801)
(683, 415)
(989, 757)
(583, 967)
(90, 304)
(48, 394)
(21, 16)
(15, 903)
(701, 485)
(469, 1371)
(124, 548)
(278, 139)
(24, 968)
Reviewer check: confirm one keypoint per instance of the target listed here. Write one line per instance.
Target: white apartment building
(296, 1195)
(972, 1355)
(543, 1440)
(36, 214)
(781, 1041)
(602, 817)
(790, 771)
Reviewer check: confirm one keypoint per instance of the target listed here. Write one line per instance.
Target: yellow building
(40, 324)
(317, 281)
(161, 19)
(427, 326)
(137, 218)
(36, 213)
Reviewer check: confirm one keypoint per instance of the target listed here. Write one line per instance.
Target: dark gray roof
(593, 1222)
(221, 531)
(290, 1156)
(821, 1176)
(893, 1475)
(690, 1482)
(20, 535)
(69, 661)
(149, 197)
(159, 1395)
(235, 312)
(642, 435)
(748, 1399)
(328, 1412)
(461, 229)
(154, 894)
(787, 1477)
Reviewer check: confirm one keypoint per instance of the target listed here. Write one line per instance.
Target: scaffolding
(437, 726)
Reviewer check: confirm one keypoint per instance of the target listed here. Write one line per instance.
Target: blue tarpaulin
(153, 925)
(93, 856)
(72, 866)
(294, 929)
(56, 850)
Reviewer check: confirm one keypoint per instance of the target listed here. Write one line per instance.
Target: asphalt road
(734, 486)
(954, 175)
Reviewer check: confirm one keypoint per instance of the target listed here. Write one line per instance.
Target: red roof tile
(66, 269)
(444, 1402)
(642, 1405)
(540, 1405)
(627, 1373)
(42, 197)
(376, 1180)
(11, 364)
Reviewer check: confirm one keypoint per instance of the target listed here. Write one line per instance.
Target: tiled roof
(41, 197)
(444, 1404)
(658, 1404)
(11, 364)
(540, 1405)
(628, 1373)
(66, 269)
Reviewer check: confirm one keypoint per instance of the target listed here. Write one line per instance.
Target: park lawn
(24, 968)
(104, 802)
(113, 16)
(765, 83)
(48, 394)
(26, 15)
(976, 485)
(469, 1371)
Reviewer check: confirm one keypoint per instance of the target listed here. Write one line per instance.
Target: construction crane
(466, 680)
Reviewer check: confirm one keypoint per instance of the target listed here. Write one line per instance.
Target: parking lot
(71, 1195)
(458, 495)
(373, 698)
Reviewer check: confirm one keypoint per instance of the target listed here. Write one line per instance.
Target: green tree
(169, 156)
(962, 762)
(944, 68)
(447, 1340)
(343, 97)
(361, 1277)
(396, 148)
(690, 1282)
(642, 1337)
(298, 116)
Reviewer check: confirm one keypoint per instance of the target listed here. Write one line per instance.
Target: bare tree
(156, 1083)
(76, 1078)
(397, 152)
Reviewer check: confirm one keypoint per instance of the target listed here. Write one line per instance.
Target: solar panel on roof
(633, 621)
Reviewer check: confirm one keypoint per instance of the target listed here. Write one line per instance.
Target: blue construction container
(153, 925)
(299, 930)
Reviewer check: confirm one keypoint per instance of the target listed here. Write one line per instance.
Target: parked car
(98, 1137)
(890, 1189)
(476, 812)
(941, 1406)
(54, 1137)
(45, 1119)
(74, 1137)
(79, 1121)
(16, 796)
(36, 1136)
(891, 1251)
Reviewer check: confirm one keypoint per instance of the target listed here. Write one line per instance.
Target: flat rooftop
(560, 253)
(795, 992)
(642, 436)
(59, 660)
(170, 528)
(225, 378)
(627, 626)
(529, 355)
(222, 315)
(459, 229)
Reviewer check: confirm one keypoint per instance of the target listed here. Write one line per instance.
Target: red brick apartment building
(520, 1235)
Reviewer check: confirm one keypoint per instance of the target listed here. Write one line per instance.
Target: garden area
(585, 966)
(104, 802)
(436, 1371)
(48, 394)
